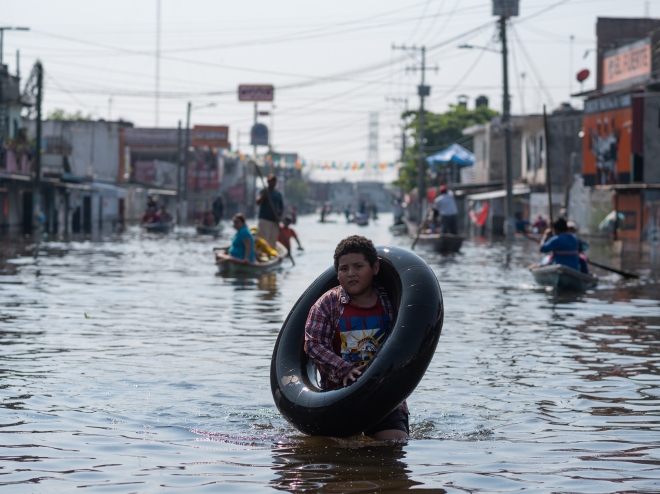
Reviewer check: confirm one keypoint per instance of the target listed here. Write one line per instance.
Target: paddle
(272, 206)
(419, 231)
(625, 274)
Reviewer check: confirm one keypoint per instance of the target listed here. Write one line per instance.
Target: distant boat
(559, 276)
(210, 230)
(400, 229)
(159, 227)
(445, 243)
(361, 219)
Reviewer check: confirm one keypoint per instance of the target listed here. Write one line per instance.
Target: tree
(296, 191)
(440, 130)
(61, 114)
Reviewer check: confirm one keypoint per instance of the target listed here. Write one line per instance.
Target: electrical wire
(531, 65)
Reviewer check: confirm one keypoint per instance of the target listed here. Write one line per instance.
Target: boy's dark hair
(560, 226)
(356, 244)
(239, 216)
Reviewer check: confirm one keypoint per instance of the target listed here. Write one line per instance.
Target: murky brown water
(127, 365)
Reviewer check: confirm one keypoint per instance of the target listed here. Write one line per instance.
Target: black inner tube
(395, 371)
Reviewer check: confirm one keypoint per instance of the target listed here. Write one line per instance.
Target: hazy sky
(332, 62)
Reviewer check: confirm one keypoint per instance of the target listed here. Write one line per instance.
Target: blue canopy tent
(453, 154)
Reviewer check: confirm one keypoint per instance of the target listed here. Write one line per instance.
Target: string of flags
(301, 163)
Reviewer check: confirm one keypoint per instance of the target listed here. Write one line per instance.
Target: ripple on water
(128, 365)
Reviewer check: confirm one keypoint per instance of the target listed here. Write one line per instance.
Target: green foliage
(61, 114)
(440, 130)
(296, 191)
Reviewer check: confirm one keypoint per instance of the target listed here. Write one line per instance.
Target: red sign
(582, 75)
(211, 136)
(256, 92)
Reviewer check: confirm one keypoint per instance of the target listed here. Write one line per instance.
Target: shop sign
(627, 64)
(256, 92)
(211, 136)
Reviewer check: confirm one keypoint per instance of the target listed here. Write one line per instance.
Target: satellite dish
(582, 75)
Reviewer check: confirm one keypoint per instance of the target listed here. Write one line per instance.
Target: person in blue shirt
(563, 245)
(242, 245)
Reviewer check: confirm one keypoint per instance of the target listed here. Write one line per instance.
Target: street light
(2, 35)
(474, 47)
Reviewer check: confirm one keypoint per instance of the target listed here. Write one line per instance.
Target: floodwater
(127, 365)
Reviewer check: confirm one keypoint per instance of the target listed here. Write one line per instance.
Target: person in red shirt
(285, 235)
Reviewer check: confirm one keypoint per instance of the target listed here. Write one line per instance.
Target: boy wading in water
(349, 323)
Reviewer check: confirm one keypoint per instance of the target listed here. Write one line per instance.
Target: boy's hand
(353, 374)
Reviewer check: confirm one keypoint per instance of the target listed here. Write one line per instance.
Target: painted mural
(606, 147)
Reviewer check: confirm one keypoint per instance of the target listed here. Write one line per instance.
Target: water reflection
(353, 465)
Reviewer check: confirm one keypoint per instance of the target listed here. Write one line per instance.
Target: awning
(453, 154)
(495, 194)
(161, 192)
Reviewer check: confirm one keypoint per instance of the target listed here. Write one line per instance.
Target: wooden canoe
(559, 276)
(210, 230)
(160, 227)
(445, 243)
(228, 265)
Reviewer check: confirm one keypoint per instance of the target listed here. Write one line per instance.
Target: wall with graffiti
(606, 147)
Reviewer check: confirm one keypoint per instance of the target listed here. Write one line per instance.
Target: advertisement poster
(606, 147)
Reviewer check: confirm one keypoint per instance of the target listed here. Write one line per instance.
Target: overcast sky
(332, 62)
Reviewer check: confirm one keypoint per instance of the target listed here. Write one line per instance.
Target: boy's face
(355, 275)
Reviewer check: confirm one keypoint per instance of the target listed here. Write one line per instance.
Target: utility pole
(254, 146)
(157, 61)
(186, 156)
(423, 91)
(179, 175)
(2, 35)
(36, 195)
(505, 9)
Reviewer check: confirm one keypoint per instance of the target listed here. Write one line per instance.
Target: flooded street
(128, 365)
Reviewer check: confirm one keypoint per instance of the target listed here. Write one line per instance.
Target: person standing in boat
(218, 209)
(242, 245)
(563, 245)
(269, 218)
(445, 205)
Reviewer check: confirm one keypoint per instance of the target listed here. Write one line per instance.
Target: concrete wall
(497, 152)
(92, 147)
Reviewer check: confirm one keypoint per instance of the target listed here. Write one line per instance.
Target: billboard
(627, 64)
(606, 147)
(256, 92)
(211, 136)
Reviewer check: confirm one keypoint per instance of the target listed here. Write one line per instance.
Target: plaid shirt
(320, 328)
